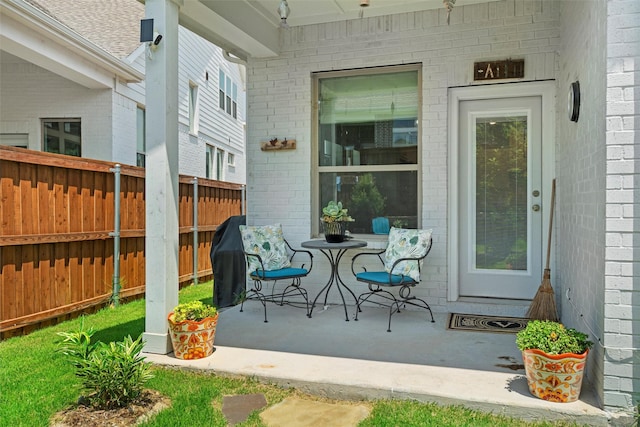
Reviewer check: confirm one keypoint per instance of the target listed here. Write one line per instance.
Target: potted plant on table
(333, 221)
(192, 326)
(554, 359)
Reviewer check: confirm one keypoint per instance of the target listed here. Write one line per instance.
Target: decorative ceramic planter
(554, 377)
(191, 339)
(334, 232)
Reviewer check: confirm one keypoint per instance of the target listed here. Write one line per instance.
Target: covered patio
(585, 47)
(418, 360)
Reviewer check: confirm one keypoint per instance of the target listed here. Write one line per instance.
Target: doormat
(480, 323)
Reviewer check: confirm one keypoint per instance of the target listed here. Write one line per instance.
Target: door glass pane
(501, 193)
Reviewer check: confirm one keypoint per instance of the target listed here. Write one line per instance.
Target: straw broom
(543, 306)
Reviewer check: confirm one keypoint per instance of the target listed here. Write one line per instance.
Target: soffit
(252, 27)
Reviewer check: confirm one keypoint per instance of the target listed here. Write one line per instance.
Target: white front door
(499, 194)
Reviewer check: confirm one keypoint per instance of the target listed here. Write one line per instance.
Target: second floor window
(228, 94)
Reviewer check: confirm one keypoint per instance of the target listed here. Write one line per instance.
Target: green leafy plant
(113, 375)
(552, 338)
(334, 212)
(194, 310)
(366, 199)
(398, 223)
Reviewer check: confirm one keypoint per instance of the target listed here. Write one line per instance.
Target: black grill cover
(227, 261)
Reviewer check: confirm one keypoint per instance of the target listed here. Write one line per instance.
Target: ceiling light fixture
(363, 4)
(448, 4)
(283, 11)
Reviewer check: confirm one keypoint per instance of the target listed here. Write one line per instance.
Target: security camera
(156, 41)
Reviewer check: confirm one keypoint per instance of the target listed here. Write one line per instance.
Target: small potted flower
(554, 359)
(333, 221)
(192, 326)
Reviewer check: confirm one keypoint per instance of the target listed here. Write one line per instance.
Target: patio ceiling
(251, 27)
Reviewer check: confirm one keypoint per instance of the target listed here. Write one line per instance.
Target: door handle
(535, 208)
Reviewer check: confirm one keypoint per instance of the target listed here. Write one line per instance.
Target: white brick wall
(580, 157)
(279, 103)
(622, 273)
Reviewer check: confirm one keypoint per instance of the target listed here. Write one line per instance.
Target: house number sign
(495, 70)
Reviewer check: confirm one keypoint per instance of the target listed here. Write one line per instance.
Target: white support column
(161, 183)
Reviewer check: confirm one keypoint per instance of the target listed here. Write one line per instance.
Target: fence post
(115, 297)
(195, 230)
(243, 208)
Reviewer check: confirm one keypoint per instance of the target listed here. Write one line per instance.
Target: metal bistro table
(334, 252)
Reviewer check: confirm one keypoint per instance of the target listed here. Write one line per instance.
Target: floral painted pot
(554, 377)
(191, 339)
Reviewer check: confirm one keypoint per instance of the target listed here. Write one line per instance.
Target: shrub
(194, 310)
(113, 375)
(552, 338)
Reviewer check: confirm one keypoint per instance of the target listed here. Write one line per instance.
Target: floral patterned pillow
(267, 241)
(406, 243)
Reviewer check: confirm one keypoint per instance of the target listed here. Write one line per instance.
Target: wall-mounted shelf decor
(278, 144)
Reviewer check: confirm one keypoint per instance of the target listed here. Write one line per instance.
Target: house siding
(199, 62)
(109, 126)
(279, 105)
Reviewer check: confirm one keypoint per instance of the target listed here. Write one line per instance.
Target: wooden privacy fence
(57, 234)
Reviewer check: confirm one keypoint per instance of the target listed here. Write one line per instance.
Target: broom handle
(553, 203)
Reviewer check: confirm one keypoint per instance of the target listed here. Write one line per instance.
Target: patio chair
(402, 262)
(268, 257)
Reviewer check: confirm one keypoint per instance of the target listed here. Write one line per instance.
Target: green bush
(552, 338)
(193, 310)
(113, 375)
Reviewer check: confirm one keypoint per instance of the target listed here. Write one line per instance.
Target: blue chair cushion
(382, 278)
(282, 273)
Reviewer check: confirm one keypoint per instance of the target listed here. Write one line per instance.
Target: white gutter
(232, 58)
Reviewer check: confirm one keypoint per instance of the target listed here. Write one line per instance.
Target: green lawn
(36, 382)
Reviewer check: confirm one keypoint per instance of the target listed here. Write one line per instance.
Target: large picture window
(367, 145)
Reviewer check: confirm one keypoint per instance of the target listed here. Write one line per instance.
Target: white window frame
(231, 159)
(228, 94)
(210, 156)
(194, 113)
(317, 170)
(19, 140)
(220, 175)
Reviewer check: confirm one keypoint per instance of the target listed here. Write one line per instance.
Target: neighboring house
(72, 82)
(433, 136)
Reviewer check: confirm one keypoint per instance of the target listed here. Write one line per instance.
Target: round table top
(323, 244)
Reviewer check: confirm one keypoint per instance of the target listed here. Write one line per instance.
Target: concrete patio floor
(328, 356)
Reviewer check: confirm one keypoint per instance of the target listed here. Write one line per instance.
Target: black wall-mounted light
(147, 34)
(573, 101)
(146, 30)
